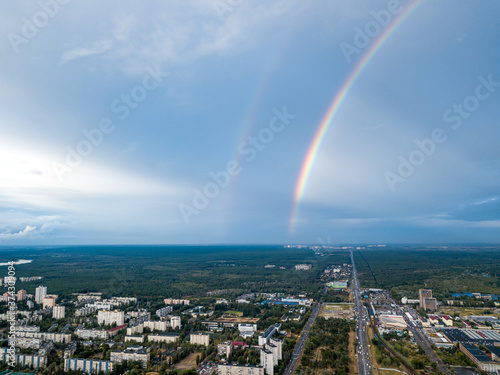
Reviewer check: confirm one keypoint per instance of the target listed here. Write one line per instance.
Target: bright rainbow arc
(335, 105)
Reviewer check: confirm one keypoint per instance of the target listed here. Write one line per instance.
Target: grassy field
(466, 311)
(234, 313)
(375, 365)
(336, 310)
(238, 320)
(353, 366)
(189, 362)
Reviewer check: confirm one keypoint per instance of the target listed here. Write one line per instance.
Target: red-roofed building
(114, 331)
(447, 320)
(243, 344)
(433, 319)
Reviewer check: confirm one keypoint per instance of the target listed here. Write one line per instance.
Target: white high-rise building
(175, 322)
(278, 348)
(267, 361)
(59, 312)
(40, 294)
(110, 317)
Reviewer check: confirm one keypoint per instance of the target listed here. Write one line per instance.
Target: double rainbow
(335, 105)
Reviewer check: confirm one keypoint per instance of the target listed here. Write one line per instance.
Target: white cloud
(484, 201)
(30, 185)
(180, 33)
(26, 232)
(96, 48)
(123, 26)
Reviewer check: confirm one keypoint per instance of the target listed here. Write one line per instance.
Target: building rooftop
(166, 334)
(117, 328)
(239, 343)
(494, 349)
(476, 353)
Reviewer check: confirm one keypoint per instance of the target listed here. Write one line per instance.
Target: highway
(364, 362)
(423, 341)
(363, 353)
(299, 347)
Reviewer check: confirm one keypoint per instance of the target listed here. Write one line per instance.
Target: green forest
(404, 270)
(331, 337)
(170, 271)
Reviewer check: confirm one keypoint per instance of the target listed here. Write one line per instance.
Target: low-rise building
(266, 336)
(407, 301)
(247, 330)
(70, 350)
(114, 331)
(302, 267)
(481, 359)
(392, 321)
(174, 301)
(101, 305)
(164, 337)
(227, 369)
(199, 338)
(164, 311)
(85, 311)
(433, 319)
(26, 342)
(35, 361)
(46, 348)
(447, 320)
(64, 338)
(136, 338)
(132, 353)
(21, 328)
(140, 319)
(92, 334)
(88, 365)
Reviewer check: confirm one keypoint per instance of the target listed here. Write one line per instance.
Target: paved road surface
(364, 362)
(299, 347)
(423, 342)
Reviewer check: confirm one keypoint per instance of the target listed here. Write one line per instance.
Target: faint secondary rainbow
(335, 105)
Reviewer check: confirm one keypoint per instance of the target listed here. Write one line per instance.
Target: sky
(190, 122)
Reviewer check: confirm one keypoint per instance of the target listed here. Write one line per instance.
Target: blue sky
(188, 122)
